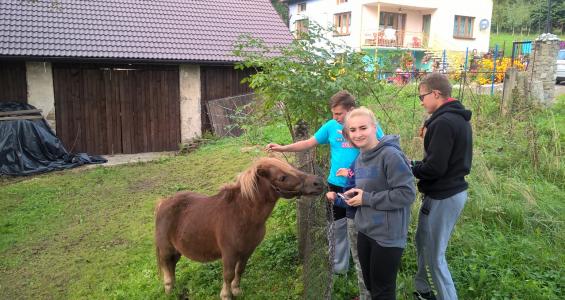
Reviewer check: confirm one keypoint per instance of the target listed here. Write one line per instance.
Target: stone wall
(542, 69)
(191, 124)
(40, 89)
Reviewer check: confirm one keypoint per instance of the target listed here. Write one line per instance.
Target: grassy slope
(505, 40)
(506, 244)
(88, 234)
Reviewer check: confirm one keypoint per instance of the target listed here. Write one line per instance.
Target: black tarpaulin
(30, 146)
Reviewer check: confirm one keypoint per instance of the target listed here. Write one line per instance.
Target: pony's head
(284, 179)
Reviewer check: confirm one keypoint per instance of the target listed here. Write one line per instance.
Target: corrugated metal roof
(189, 30)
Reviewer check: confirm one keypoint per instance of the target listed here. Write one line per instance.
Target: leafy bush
(297, 81)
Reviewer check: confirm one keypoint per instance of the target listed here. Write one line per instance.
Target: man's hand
(355, 196)
(331, 196)
(274, 147)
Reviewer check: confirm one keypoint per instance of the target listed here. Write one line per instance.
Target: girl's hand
(355, 196)
(331, 196)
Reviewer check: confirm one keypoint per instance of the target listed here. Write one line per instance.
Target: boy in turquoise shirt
(342, 155)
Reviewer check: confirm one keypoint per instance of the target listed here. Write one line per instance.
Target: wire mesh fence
(229, 117)
(226, 114)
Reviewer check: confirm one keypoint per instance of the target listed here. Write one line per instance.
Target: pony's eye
(282, 178)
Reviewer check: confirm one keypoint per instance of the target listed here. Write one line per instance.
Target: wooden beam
(19, 112)
(20, 118)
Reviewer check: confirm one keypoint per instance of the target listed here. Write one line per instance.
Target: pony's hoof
(168, 289)
(225, 295)
(236, 291)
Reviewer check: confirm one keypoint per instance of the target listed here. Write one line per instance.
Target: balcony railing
(391, 37)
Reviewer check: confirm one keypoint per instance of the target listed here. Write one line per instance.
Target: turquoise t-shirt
(341, 151)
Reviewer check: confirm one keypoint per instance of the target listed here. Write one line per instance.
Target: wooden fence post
(507, 91)
(305, 162)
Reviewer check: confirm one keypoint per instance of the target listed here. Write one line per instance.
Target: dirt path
(560, 89)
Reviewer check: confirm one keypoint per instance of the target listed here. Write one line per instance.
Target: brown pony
(228, 225)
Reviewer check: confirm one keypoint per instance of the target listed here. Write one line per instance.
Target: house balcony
(387, 24)
(395, 38)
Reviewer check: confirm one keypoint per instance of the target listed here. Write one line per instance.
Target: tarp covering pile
(30, 146)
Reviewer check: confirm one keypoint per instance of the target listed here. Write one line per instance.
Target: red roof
(176, 30)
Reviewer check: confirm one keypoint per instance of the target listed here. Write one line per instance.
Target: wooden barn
(127, 76)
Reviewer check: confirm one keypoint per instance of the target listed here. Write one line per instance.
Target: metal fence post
(463, 76)
(493, 69)
(444, 61)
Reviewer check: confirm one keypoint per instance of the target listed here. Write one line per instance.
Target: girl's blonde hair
(361, 111)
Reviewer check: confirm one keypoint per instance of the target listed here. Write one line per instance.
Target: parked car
(560, 74)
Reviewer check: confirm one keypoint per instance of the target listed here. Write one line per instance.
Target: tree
(507, 15)
(301, 78)
(282, 10)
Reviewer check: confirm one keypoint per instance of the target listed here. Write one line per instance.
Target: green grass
(504, 40)
(88, 234)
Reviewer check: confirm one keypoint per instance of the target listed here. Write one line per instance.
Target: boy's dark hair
(437, 81)
(343, 98)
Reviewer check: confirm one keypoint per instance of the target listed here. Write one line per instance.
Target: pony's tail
(157, 255)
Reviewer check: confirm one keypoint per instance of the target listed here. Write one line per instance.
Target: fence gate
(521, 51)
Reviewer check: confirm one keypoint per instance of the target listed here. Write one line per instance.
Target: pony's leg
(229, 262)
(239, 269)
(167, 264)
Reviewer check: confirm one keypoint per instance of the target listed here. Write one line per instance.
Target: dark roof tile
(180, 30)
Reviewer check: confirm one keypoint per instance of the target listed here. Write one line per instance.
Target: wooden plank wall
(107, 110)
(13, 84)
(220, 82)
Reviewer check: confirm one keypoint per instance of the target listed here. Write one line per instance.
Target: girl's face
(362, 132)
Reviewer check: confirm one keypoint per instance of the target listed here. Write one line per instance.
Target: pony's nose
(318, 182)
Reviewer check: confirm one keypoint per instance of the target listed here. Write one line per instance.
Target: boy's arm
(437, 154)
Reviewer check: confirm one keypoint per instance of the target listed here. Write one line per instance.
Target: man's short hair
(343, 98)
(437, 81)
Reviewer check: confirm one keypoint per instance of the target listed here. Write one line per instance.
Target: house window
(301, 7)
(341, 1)
(392, 20)
(463, 27)
(342, 23)
(301, 27)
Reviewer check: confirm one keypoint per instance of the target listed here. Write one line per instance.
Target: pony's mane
(247, 180)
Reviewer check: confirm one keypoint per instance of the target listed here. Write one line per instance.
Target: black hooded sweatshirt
(448, 144)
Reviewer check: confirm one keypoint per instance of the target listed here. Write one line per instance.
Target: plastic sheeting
(30, 147)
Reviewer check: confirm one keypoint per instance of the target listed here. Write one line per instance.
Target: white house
(453, 25)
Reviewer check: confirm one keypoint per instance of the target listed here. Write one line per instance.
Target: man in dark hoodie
(448, 151)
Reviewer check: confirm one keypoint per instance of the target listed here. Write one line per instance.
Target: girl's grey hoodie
(384, 175)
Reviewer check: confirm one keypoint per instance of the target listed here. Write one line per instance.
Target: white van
(560, 66)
